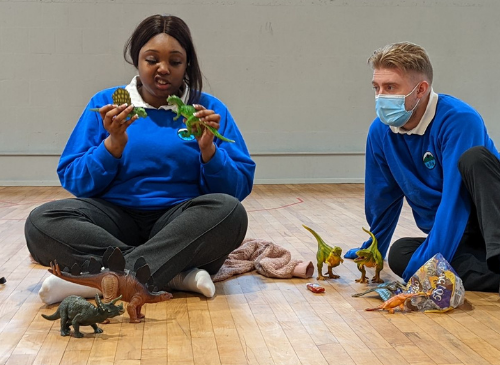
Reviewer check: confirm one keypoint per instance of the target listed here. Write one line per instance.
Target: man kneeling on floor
(434, 151)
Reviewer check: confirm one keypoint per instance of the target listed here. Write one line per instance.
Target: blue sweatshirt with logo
(158, 168)
(424, 170)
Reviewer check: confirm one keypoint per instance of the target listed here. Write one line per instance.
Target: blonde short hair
(405, 56)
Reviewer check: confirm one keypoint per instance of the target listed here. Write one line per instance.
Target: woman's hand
(116, 123)
(206, 140)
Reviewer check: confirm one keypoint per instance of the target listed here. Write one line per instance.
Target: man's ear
(422, 89)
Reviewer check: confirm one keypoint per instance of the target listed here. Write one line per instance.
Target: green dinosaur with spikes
(332, 256)
(121, 96)
(370, 257)
(192, 122)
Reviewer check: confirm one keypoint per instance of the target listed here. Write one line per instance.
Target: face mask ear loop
(415, 107)
(411, 92)
(418, 101)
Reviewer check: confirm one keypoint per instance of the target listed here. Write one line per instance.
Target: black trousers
(477, 260)
(197, 233)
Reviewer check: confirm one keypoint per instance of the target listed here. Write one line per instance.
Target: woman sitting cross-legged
(144, 185)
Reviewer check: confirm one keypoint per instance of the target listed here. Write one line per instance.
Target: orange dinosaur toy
(394, 302)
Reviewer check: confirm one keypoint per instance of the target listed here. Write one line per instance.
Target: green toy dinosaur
(121, 96)
(369, 257)
(187, 112)
(76, 311)
(332, 256)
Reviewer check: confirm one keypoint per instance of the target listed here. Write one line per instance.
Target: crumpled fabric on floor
(267, 258)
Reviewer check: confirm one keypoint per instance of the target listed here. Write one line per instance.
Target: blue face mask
(391, 109)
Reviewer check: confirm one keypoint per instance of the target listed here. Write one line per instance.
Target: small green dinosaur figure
(121, 96)
(76, 311)
(187, 112)
(369, 257)
(332, 256)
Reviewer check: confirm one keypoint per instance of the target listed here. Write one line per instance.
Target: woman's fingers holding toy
(206, 115)
(115, 119)
(209, 117)
(213, 124)
(120, 113)
(105, 109)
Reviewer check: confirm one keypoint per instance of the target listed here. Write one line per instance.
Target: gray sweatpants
(197, 233)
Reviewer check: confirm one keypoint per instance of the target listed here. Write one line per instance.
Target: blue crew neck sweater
(157, 169)
(423, 169)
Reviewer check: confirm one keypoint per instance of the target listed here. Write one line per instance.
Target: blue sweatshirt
(424, 170)
(157, 169)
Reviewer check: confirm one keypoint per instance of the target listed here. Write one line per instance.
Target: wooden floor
(252, 319)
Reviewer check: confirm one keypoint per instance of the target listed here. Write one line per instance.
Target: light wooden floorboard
(252, 319)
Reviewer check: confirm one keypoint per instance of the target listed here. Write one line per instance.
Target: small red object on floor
(315, 288)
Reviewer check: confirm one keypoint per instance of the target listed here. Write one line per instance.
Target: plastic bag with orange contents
(445, 288)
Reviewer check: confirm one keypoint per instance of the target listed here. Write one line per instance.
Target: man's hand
(351, 254)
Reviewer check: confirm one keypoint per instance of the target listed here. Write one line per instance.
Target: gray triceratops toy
(77, 311)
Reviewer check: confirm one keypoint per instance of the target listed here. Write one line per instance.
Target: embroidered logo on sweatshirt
(429, 160)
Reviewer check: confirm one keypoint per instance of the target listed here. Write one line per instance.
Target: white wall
(292, 72)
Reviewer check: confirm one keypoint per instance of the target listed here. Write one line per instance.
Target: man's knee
(473, 158)
(397, 265)
(401, 252)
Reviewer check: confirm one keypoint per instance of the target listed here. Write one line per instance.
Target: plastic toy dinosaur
(121, 96)
(76, 311)
(114, 280)
(396, 301)
(369, 257)
(187, 112)
(332, 256)
(385, 290)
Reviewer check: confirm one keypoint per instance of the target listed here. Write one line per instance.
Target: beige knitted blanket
(267, 258)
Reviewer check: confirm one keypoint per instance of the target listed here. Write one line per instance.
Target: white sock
(55, 289)
(195, 280)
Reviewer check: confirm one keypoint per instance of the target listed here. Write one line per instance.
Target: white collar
(138, 102)
(429, 114)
